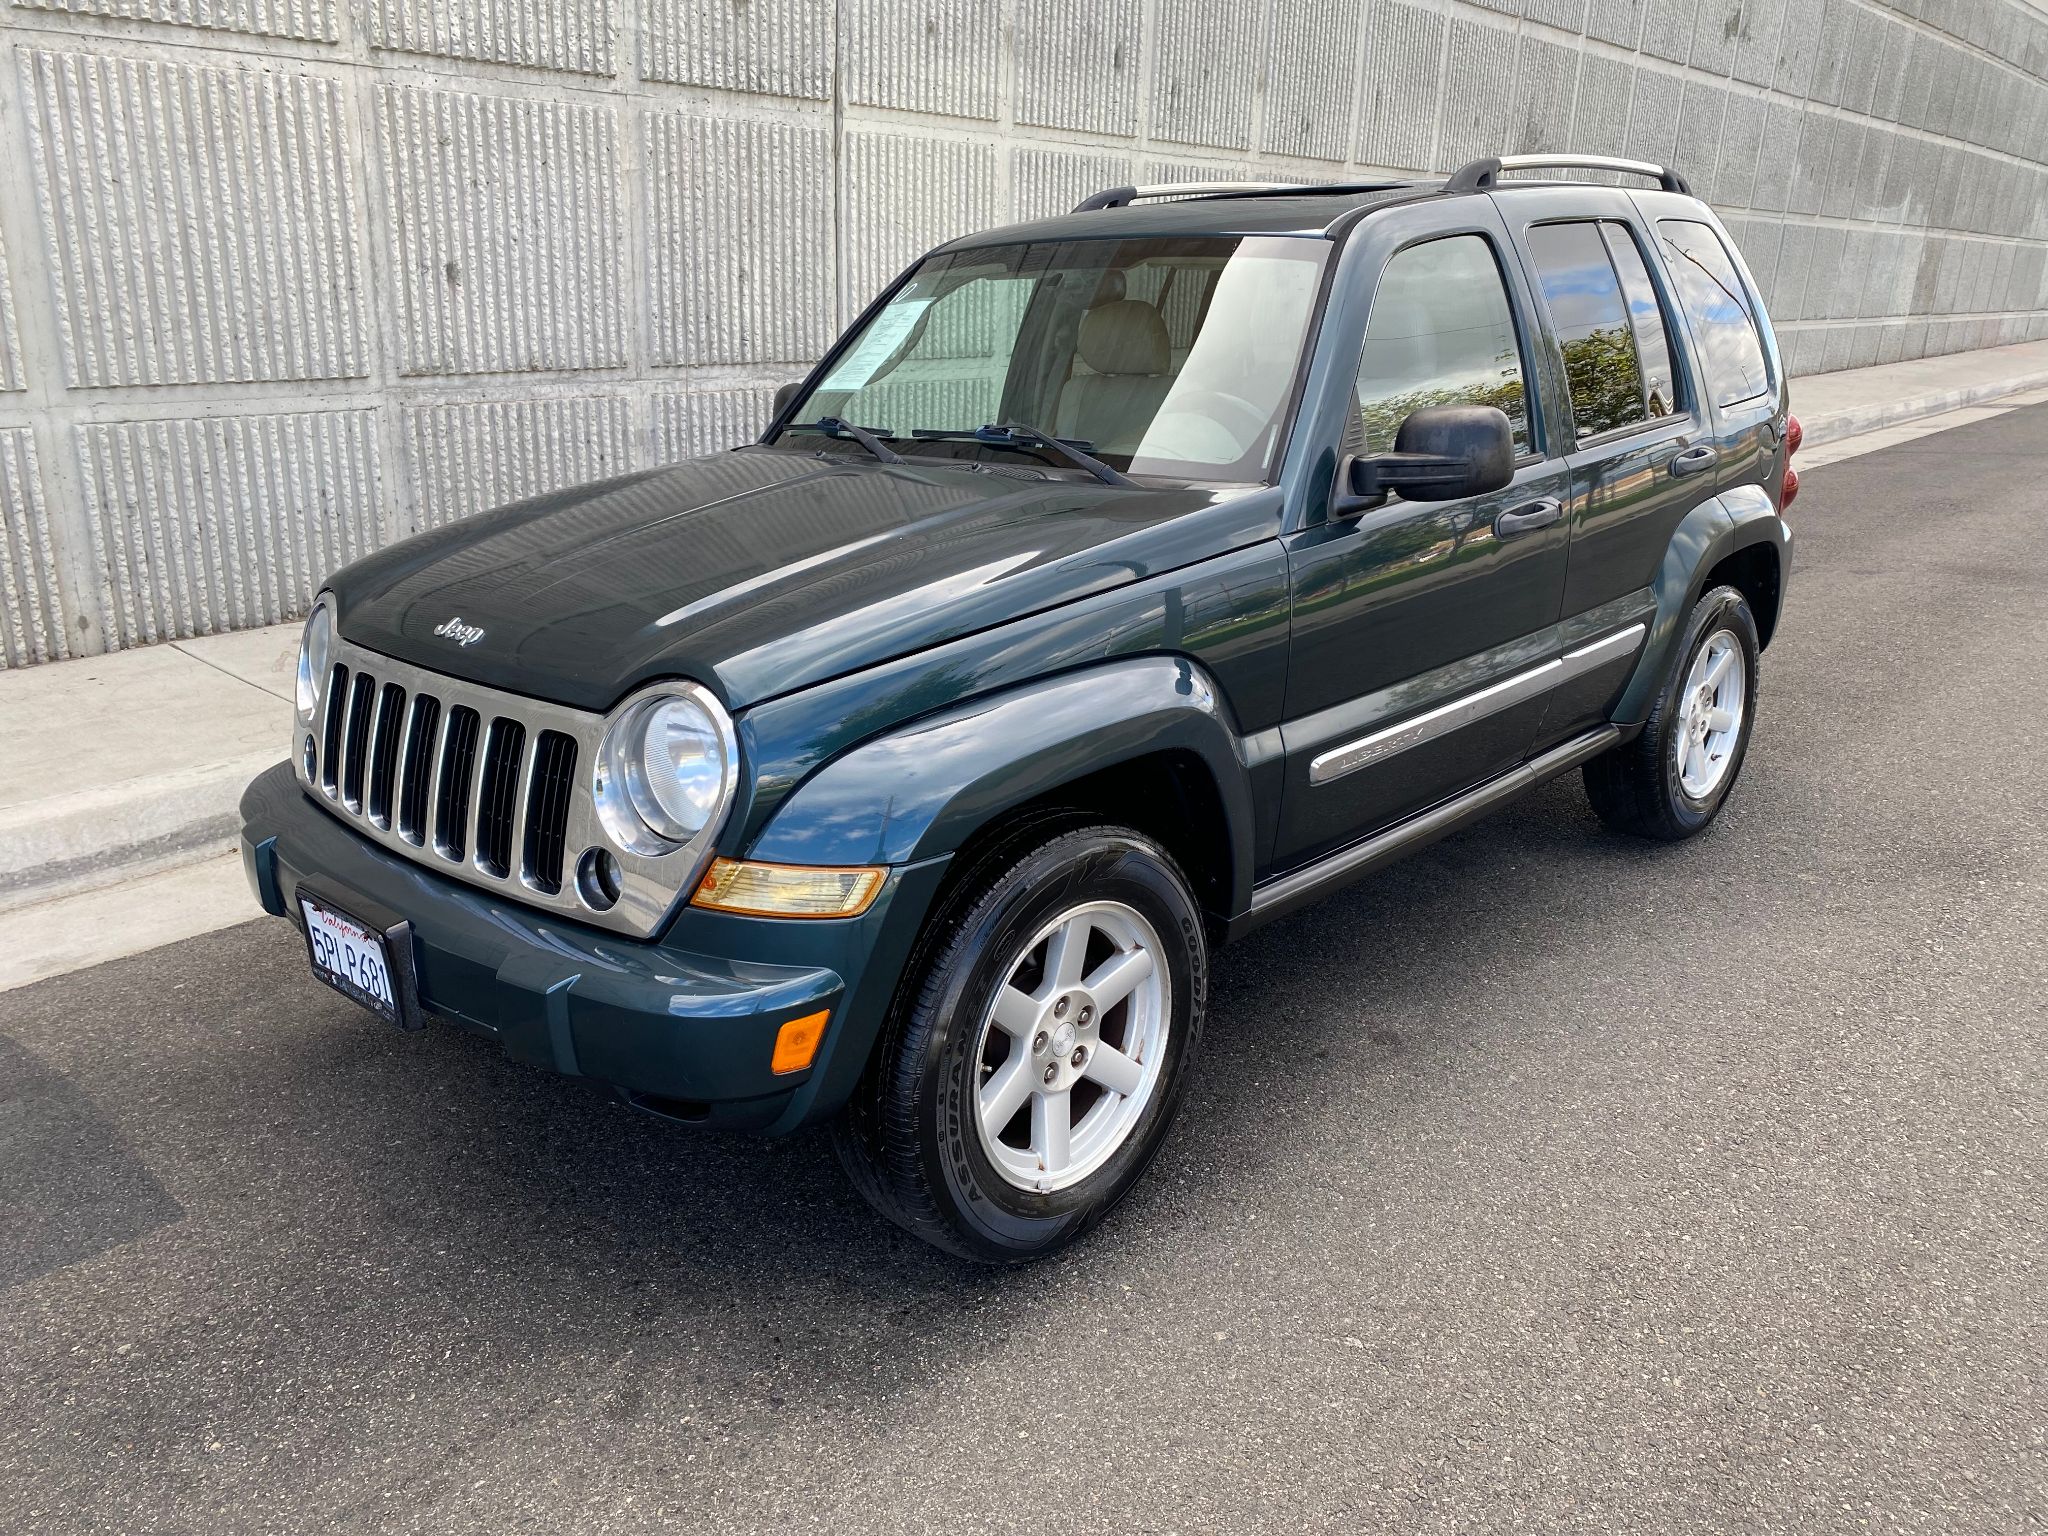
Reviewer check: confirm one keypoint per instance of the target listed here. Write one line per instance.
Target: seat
(1126, 345)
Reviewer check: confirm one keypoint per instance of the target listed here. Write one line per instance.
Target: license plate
(350, 957)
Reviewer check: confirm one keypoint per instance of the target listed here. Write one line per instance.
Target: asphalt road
(1551, 1181)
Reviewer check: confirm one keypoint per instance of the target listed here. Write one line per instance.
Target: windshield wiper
(1022, 435)
(832, 426)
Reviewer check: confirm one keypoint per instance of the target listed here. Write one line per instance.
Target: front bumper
(683, 1025)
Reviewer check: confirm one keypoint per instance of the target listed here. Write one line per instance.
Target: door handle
(1528, 518)
(1695, 461)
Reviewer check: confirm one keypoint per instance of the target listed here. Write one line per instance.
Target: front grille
(498, 803)
(481, 785)
(554, 773)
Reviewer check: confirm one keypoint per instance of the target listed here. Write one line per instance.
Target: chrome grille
(479, 784)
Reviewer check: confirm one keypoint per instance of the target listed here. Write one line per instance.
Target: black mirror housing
(783, 396)
(1441, 453)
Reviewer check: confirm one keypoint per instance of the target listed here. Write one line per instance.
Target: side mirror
(783, 396)
(1441, 453)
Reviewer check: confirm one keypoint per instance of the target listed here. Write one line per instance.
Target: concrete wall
(281, 280)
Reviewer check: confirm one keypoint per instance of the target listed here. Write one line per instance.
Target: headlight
(665, 770)
(314, 646)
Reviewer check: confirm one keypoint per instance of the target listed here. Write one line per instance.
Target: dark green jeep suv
(1119, 582)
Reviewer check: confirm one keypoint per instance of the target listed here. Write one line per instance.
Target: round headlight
(314, 646)
(662, 773)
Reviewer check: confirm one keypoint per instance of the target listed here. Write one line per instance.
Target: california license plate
(350, 957)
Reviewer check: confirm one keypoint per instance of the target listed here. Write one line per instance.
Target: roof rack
(1123, 197)
(1483, 174)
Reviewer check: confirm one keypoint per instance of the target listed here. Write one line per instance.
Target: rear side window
(1441, 333)
(1731, 351)
(1645, 318)
(1591, 319)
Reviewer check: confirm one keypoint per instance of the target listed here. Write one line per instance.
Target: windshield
(1163, 357)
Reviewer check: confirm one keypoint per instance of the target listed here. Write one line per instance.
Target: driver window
(1441, 333)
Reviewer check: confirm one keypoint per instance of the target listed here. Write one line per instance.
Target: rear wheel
(1040, 1049)
(1672, 779)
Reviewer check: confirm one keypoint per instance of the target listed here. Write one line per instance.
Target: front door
(1420, 629)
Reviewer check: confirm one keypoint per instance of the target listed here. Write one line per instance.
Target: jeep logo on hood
(459, 632)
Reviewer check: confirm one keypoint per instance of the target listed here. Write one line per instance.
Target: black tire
(1636, 788)
(910, 1139)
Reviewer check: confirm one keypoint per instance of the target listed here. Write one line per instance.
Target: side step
(1297, 888)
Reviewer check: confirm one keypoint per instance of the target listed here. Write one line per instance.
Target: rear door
(1639, 444)
(1420, 628)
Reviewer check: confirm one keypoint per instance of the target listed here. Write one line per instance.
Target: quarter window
(1731, 351)
(1593, 327)
(1441, 333)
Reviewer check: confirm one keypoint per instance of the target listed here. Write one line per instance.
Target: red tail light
(1788, 492)
(1794, 435)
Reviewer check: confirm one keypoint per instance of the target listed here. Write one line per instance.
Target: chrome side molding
(1461, 712)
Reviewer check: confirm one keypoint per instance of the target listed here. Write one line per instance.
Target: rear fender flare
(1712, 531)
(925, 789)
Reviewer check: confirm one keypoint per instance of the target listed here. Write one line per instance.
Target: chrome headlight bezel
(316, 651)
(630, 810)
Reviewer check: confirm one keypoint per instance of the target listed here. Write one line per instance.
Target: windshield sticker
(887, 334)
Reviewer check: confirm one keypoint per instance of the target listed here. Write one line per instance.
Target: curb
(72, 843)
(1833, 426)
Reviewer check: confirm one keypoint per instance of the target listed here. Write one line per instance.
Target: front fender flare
(926, 788)
(1712, 531)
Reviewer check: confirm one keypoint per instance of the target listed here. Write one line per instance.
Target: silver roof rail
(1483, 175)
(1123, 197)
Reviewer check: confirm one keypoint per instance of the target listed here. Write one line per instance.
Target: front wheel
(1672, 779)
(1040, 1048)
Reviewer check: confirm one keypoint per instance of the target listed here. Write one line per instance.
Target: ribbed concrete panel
(1404, 48)
(31, 614)
(1600, 118)
(1201, 87)
(1479, 76)
(1653, 116)
(468, 456)
(12, 375)
(1077, 65)
(507, 231)
(1049, 181)
(741, 238)
(937, 56)
(1546, 80)
(204, 524)
(914, 193)
(576, 36)
(1615, 21)
(198, 222)
(774, 47)
(310, 20)
(691, 423)
(1310, 79)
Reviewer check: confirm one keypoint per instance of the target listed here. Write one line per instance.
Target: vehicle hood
(760, 571)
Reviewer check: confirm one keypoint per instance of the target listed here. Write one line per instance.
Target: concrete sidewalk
(125, 769)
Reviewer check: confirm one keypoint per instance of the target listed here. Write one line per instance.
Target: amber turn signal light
(787, 890)
(796, 1043)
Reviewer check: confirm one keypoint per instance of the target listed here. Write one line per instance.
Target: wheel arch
(1736, 537)
(1144, 741)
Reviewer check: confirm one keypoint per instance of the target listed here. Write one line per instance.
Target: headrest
(1126, 337)
(1110, 289)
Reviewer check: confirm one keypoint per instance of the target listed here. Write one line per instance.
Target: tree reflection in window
(1591, 321)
